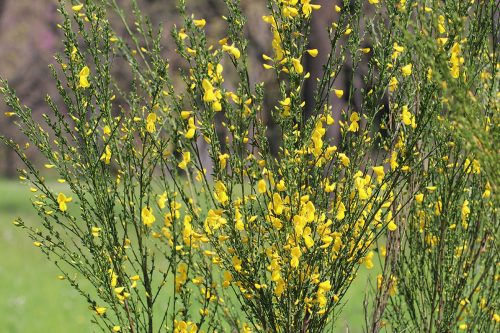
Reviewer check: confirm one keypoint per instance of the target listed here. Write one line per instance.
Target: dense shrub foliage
(183, 219)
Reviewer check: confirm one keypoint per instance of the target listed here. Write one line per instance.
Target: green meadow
(33, 299)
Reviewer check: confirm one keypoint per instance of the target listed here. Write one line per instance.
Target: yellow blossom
(391, 225)
(99, 310)
(487, 191)
(313, 52)
(261, 186)
(297, 66)
(83, 75)
(369, 260)
(344, 159)
(233, 50)
(237, 263)
(161, 200)
(62, 200)
(338, 92)
(186, 158)
(77, 8)
(393, 84)
(151, 122)
(455, 61)
(221, 192)
(95, 231)
(340, 211)
(307, 7)
(379, 171)
(354, 126)
(223, 160)
(106, 155)
(191, 129)
(147, 216)
(406, 70)
(296, 253)
(200, 23)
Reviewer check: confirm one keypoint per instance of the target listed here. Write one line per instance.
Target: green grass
(32, 299)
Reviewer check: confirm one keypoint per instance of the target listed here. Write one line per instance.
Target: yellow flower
(214, 220)
(286, 106)
(394, 161)
(186, 114)
(474, 166)
(344, 159)
(228, 278)
(162, 199)
(313, 52)
(261, 186)
(151, 122)
(393, 84)
(406, 70)
(237, 264)
(308, 240)
(338, 92)
(297, 66)
(407, 117)
(62, 200)
(200, 23)
(223, 160)
(220, 192)
(373, 2)
(232, 50)
(106, 130)
(307, 7)
(185, 327)
(191, 129)
(290, 12)
(296, 253)
(317, 138)
(106, 155)
(209, 95)
(99, 310)
(391, 225)
(276, 204)
(379, 171)
(487, 191)
(419, 198)
(455, 61)
(354, 126)
(84, 74)
(323, 288)
(369, 260)
(281, 186)
(438, 208)
(340, 211)
(95, 231)
(147, 216)
(465, 210)
(186, 158)
(77, 8)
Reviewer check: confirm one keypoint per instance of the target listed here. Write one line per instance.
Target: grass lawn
(32, 299)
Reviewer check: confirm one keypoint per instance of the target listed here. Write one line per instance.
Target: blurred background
(32, 299)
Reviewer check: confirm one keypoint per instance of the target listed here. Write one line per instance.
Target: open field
(32, 299)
